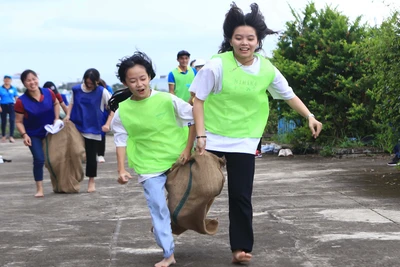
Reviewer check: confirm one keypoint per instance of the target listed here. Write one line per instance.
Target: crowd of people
(40, 106)
(220, 106)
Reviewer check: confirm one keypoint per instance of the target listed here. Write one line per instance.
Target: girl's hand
(105, 128)
(315, 126)
(27, 140)
(66, 118)
(123, 177)
(201, 145)
(185, 156)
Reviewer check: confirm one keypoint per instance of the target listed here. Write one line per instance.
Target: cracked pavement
(308, 211)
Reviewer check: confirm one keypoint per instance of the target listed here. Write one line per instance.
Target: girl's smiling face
(31, 82)
(244, 42)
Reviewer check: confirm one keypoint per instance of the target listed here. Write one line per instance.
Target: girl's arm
(123, 175)
(191, 137)
(120, 140)
(185, 155)
(198, 112)
(298, 105)
(64, 107)
(106, 127)
(69, 109)
(207, 81)
(184, 115)
(56, 110)
(19, 123)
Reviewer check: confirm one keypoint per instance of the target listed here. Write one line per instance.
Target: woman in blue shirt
(35, 108)
(88, 101)
(8, 96)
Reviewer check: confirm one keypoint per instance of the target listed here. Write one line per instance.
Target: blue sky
(60, 39)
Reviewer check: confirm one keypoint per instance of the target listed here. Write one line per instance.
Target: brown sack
(192, 189)
(64, 153)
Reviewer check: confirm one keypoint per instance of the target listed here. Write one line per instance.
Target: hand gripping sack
(192, 189)
(64, 152)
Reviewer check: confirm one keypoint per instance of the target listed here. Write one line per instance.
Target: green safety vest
(155, 140)
(182, 83)
(241, 109)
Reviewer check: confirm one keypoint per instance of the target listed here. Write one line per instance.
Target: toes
(242, 256)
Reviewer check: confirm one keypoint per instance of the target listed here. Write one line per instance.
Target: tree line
(346, 72)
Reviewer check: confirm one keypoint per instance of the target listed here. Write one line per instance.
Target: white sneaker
(100, 159)
(277, 148)
(288, 152)
(282, 153)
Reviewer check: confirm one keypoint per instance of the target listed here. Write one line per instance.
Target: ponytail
(118, 97)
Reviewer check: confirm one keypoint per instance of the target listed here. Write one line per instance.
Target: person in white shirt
(151, 128)
(231, 110)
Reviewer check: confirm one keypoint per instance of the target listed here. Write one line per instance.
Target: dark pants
(91, 147)
(38, 157)
(240, 168)
(102, 146)
(259, 146)
(8, 109)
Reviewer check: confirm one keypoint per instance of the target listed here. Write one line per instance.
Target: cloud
(61, 38)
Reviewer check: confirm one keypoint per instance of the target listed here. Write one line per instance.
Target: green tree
(383, 50)
(318, 54)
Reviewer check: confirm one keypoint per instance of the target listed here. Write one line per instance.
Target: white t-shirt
(183, 115)
(209, 81)
(104, 100)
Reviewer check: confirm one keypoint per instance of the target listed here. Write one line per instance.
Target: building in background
(160, 84)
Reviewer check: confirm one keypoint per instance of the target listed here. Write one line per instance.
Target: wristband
(22, 135)
(201, 136)
(310, 115)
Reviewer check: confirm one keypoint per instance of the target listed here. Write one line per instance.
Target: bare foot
(241, 256)
(91, 186)
(39, 194)
(12, 140)
(4, 139)
(166, 262)
(39, 189)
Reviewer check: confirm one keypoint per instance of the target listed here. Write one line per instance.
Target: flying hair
(138, 58)
(235, 18)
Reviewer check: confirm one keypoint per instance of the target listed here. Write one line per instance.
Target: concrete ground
(308, 211)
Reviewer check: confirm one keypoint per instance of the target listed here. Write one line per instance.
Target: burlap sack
(192, 189)
(64, 153)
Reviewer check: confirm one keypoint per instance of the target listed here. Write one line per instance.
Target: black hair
(93, 75)
(235, 18)
(51, 86)
(118, 97)
(138, 58)
(103, 83)
(25, 74)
